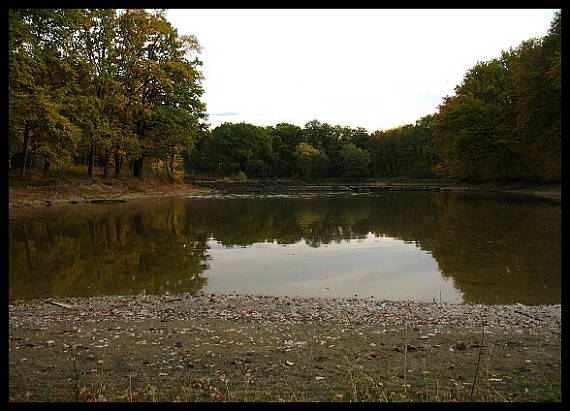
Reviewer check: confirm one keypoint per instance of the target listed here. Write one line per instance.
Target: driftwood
(68, 307)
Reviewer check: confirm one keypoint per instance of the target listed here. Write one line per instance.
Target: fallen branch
(68, 307)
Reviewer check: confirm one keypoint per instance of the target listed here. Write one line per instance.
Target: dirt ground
(25, 195)
(255, 348)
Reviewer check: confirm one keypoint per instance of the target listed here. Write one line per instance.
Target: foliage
(504, 121)
(354, 161)
(285, 138)
(311, 162)
(84, 81)
(241, 147)
(122, 86)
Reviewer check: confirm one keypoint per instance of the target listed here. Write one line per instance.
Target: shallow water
(474, 247)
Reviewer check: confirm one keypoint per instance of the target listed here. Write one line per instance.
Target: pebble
(387, 315)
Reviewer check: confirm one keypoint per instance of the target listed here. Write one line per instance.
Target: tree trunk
(106, 165)
(172, 164)
(46, 166)
(138, 168)
(117, 164)
(167, 169)
(25, 150)
(91, 167)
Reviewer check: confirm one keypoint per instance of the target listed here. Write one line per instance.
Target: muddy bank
(107, 190)
(208, 347)
(119, 190)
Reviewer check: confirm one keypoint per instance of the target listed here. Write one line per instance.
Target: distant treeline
(314, 151)
(117, 87)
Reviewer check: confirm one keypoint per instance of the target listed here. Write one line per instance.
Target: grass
(364, 388)
(416, 378)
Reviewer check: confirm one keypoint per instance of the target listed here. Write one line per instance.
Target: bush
(240, 176)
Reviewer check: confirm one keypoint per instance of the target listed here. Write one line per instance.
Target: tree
(535, 84)
(473, 128)
(310, 161)
(285, 138)
(503, 123)
(172, 133)
(241, 147)
(156, 71)
(39, 83)
(354, 161)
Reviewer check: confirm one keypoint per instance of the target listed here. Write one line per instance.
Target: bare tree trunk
(91, 167)
(172, 164)
(138, 170)
(139, 163)
(46, 166)
(106, 165)
(167, 169)
(25, 150)
(117, 164)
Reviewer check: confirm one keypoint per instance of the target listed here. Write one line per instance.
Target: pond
(489, 248)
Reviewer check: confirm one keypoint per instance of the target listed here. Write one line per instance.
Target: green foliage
(39, 84)
(285, 137)
(241, 147)
(311, 162)
(86, 80)
(354, 161)
(504, 121)
(124, 86)
(405, 151)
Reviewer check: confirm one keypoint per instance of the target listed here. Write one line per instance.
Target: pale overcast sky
(371, 68)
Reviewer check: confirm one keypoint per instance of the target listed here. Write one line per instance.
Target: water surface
(474, 247)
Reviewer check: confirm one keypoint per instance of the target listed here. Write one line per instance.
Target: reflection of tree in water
(495, 248)
(119, 252)
(247, 221)
(503, 249)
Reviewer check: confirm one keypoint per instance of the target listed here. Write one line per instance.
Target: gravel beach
(206, 347)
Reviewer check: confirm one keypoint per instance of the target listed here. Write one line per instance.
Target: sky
(370, 68)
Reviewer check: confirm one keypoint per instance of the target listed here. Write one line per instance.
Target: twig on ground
(68, 307)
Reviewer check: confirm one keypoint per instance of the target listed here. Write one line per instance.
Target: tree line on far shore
(119, 88)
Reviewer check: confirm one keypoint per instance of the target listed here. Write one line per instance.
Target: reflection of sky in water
(382, 267)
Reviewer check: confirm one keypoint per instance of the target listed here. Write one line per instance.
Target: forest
(121, 90)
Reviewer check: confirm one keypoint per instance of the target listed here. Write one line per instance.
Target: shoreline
(248, 348)
(117, 190)
(246, 307)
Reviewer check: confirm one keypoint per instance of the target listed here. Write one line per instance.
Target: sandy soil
(108, 189)
(209, 347)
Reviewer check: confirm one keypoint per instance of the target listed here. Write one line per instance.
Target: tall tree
(156, 71)
(39, 83)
